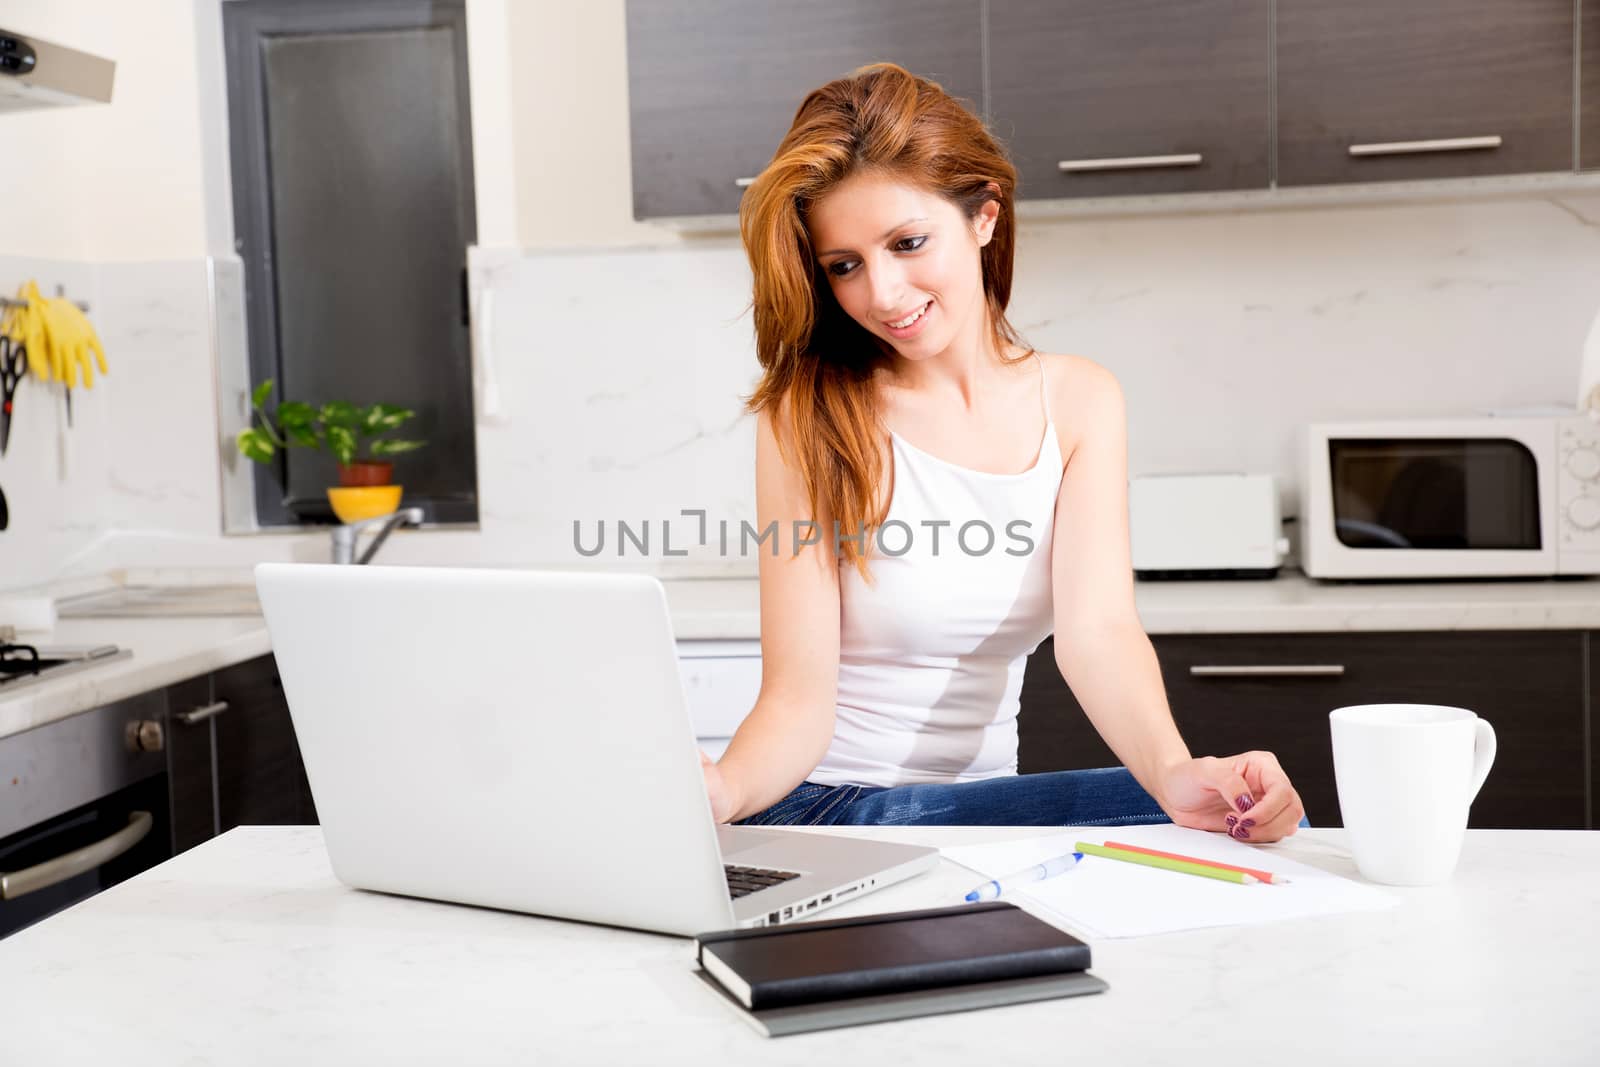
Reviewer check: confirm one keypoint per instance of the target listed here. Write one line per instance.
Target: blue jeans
(1107, 796)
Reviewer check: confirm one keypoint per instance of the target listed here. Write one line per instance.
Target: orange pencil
(1265, 876)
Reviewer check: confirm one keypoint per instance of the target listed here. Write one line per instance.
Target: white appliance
(1474, 497)
(36, 73)
(1205, 526)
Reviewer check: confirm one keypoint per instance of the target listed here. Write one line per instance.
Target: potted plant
(353, 435)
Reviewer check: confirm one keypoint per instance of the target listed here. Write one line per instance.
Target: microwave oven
(1479, 497)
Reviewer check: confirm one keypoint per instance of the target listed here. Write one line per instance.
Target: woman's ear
(983, 222)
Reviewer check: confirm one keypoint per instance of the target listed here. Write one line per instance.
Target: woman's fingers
(1233, 786)
(1277, 808)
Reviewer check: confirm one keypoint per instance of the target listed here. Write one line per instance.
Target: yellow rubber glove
(71, 342)
(26, 325)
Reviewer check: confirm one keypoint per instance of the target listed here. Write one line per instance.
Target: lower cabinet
(1230, 693)
(232, 758)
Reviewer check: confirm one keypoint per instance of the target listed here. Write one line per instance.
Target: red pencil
(1266, 876)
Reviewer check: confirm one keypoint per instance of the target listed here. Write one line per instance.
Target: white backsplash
(620, 372)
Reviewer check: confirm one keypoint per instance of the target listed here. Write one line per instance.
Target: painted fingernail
(1232, 821)
(1243, 802)
(1247, 823)
(1240, 833)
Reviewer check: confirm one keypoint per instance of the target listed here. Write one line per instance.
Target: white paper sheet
(1109, 898)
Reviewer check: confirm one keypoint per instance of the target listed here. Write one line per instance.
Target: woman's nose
(886, 284)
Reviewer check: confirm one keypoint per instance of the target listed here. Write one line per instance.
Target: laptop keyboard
(742, 881)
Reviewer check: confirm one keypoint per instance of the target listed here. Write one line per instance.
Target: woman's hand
(1248, 796)
(723, 804)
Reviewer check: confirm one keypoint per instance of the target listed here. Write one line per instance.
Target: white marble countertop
(729, 608)
(247, 951)
(164, 651)
(170, 649)
(167, 650)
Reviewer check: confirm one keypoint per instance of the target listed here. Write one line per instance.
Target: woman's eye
(843, 267)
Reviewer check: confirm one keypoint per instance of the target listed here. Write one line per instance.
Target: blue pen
(1038, 872)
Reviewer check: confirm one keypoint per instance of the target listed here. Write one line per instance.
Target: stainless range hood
(35, 73)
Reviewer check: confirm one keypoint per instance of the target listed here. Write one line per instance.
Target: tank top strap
(1044, 387)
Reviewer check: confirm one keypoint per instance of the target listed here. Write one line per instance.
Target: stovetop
(23, 664)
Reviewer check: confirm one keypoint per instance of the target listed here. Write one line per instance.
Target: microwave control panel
(1578, 495)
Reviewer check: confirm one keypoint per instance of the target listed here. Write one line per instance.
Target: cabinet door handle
(744, 183)
(1186, 159)
(1444, 144)
(44, 875)
(1284, 670)
(204, 712)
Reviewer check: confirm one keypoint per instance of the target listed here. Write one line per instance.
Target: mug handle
(1483, 750)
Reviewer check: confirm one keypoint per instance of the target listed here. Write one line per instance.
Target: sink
(129, 601)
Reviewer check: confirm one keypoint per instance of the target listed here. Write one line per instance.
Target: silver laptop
(519, 739)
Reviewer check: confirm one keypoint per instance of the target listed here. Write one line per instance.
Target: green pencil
(1181, 866)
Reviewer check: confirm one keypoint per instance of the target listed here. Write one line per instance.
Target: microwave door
(1435, 495)
(1431, 504)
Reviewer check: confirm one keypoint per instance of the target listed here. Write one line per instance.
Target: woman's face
(903, 262)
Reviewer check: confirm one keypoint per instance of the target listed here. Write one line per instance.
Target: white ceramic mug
(1406, 775)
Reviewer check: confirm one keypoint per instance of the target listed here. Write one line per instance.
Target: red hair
(817, 362)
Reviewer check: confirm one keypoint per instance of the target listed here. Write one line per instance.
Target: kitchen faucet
(344, 537)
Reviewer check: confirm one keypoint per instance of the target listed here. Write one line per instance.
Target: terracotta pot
(366, 472)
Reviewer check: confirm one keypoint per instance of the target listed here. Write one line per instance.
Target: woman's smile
(908, 326)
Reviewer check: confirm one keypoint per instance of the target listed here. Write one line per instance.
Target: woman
(976, 493)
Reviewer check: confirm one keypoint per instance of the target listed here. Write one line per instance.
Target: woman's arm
(788, 731)
(1101, 647)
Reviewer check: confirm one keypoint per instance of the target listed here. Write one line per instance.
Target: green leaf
(259, 396)
(380, 417)
(342, 443)
(292, 413)
(298, 423)
(305, 436)
(341, 413)
(253, 444)
(394, 448)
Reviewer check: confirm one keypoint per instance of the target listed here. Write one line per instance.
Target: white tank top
(931, 657)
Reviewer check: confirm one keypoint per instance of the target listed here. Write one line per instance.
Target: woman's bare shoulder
(1078, 384)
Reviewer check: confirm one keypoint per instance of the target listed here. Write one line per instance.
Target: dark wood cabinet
(260, 777)
(1589, 93)
(1143, 97)
(191, 787)
(713, 85)
(232, 758)
(1140, 97)
(1360, 78)
(1529, 684)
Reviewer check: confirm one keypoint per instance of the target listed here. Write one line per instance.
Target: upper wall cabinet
(1372, 90)
(1589, 121)
(1131, 98)
(714, 84)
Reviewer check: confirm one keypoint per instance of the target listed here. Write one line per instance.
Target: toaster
(1205, 526)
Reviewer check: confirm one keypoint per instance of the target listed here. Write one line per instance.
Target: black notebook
(982, 949)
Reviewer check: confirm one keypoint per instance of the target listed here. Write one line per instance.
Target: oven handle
(76, 862)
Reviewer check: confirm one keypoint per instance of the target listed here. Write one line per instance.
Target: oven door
(86, 806)
(1472, 498)
(77, 854)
